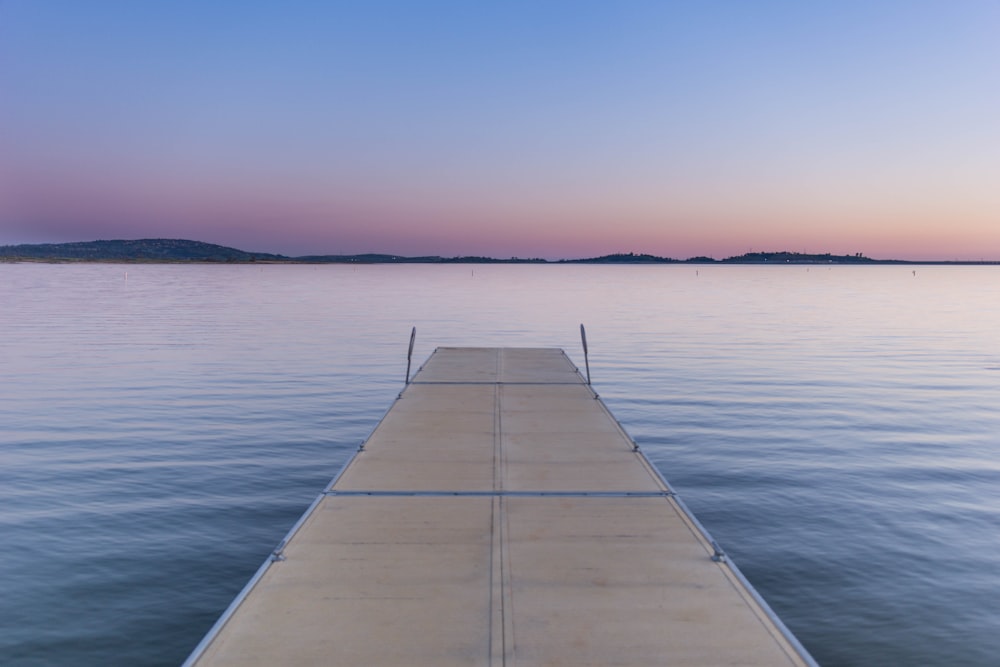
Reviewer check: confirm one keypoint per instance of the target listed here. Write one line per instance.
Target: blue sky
(553, 129)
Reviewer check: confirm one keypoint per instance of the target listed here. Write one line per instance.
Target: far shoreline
(480, 262)
(182, 251)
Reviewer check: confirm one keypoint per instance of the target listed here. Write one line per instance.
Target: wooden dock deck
(498, 515)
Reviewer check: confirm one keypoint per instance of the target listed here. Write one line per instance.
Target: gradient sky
(534, 128)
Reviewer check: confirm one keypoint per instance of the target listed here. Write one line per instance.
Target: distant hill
(181, 250)
(803, 258)
(140, 250)
(622, 258)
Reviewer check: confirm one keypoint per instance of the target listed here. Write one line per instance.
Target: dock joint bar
(507, 494)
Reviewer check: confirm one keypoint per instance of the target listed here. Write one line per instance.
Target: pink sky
(569, 130)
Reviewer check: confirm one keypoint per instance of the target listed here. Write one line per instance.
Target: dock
(498, 515)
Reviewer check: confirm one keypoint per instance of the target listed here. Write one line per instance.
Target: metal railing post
(409, 354)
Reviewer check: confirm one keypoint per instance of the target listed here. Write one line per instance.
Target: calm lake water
(837, 429)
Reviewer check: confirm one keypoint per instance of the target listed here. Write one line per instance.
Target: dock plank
(499, 515)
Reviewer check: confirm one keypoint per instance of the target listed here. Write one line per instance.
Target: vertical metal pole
(409, 355)
(586, 359)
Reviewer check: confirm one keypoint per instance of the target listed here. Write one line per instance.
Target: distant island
(184, 251)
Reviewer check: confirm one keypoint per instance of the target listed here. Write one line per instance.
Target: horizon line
(631, 257)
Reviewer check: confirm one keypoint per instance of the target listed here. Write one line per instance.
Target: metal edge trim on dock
(275, 554)
(720, 555)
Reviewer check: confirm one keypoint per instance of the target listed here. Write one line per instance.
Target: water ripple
(835, 430)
